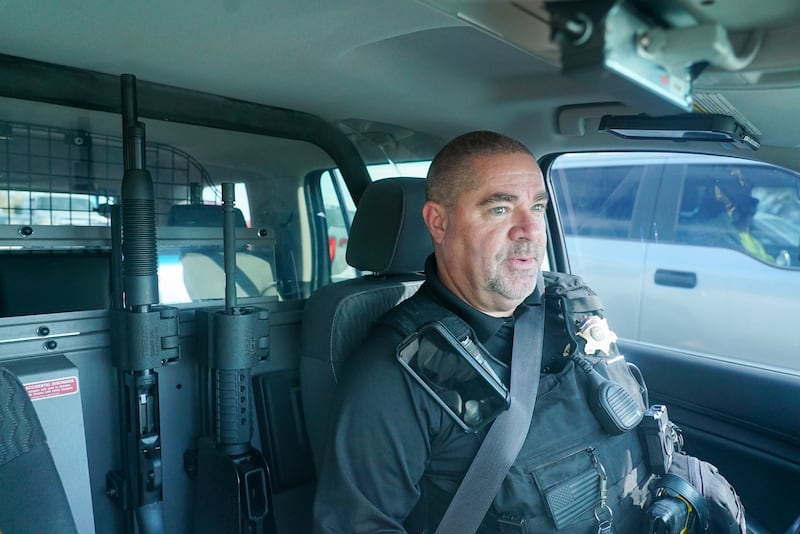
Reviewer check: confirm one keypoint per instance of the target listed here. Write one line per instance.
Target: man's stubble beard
(498, 283)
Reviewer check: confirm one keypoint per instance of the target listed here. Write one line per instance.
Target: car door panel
(719, 406)
(735, 300)
(621, 263)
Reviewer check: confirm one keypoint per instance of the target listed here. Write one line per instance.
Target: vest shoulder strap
(411, 314)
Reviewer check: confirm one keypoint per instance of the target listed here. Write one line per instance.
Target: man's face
(491, 243)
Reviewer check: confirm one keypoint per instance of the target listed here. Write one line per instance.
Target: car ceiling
(438, 66)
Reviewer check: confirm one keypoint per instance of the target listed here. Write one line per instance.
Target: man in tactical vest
(411, 417)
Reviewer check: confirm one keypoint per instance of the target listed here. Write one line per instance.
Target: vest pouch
(554, 485)
(725, 510)
(571, 487)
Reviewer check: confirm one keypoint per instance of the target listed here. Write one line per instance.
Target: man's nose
(527, 224)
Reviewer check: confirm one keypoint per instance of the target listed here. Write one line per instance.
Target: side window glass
(64, 179)
(56, 177)
(719, 266)
(750, 208)
(595, 200)
(339, 212)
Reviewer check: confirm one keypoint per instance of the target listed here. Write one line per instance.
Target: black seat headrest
(388, 235)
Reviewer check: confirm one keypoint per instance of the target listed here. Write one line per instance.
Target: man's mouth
(522, 262)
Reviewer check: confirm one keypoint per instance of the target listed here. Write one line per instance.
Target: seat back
(28, 475)
(388, 238)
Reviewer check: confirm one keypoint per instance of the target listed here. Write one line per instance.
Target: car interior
(216, 197)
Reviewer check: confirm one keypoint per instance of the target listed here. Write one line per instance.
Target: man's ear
(435, 216)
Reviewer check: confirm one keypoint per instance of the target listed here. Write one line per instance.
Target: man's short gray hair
(451, 171)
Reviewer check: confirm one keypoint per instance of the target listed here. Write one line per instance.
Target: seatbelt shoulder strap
(504, 440)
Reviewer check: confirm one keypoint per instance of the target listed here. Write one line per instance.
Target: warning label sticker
(52, 388)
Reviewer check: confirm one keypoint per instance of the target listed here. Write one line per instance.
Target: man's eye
(539, 207)
(499, 210)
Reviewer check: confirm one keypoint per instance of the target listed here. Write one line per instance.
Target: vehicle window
(212, 194)
(339, 212)
(413, 169)
(42, 168)
(752, 209)
(597, 201)
(701, 226)
(62, 177)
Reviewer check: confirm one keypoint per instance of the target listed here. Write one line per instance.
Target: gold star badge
(594, 330)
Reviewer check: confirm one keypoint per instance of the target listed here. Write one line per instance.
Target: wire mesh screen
(54, 176)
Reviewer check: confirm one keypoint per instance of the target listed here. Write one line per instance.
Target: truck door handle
(665, 277)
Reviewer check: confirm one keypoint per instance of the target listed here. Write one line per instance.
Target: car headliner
(401, 62)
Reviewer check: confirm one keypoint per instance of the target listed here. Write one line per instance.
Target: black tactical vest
(571, 474)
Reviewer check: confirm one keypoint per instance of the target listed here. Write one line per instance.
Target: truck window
(599, 201)
(753, 209)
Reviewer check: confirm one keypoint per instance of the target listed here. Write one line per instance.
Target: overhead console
(651, 58)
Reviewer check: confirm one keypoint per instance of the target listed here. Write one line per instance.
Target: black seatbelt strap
(504, 440)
